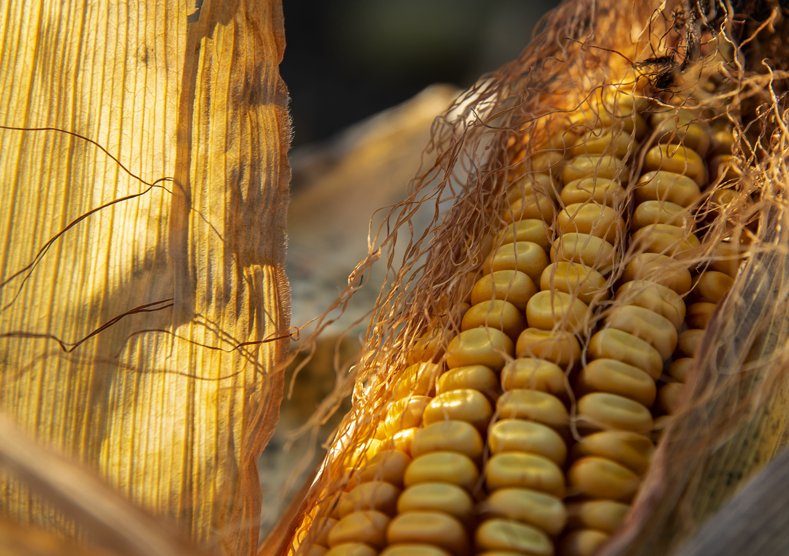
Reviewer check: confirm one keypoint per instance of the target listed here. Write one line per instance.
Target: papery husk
(734, 415)
(143, 304)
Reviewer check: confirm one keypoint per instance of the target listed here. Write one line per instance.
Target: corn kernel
(546, 163)
(516, 435)
(533, 374)
(695, 136)
(689, 342)
(405, 413)
(413, 549)
(712, 286)
(670, 397)
(665, 239)
(627, 448)
(583, 248)
(582, 281)
(533, 206)
(661, 212)
(476, 377)
(377, 495)
(388, 465)
(352, 549)
(654, 297)
(610, 343)
(602, 478)
(529, 506)
(534, 406)
(531, 183)
(680, 369)
(466, 405)
(598, 190)
(324, 527)
(508, 285)
(583, 542)
(700, 314)
(593, 219)
(548, 309)
(448, 436)
(368, 527)
(667, 186)
(598, 166)
(607, 141)
(525, 256)
(660, 269)
(400, 441)
(605, 515)
(615, 377)
(511, 535)
(442, 467)
(677, 159)
(535, 231)
(495, 314)
(560, 346)
(479, 346)
(427, 347)
(524, 470)
(436, 528)
(314, 550)
(647, 325)
(437, 497)
(727, 258)
(417, 380)
(604, 410)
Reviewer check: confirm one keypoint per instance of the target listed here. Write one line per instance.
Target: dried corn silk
(582, 355)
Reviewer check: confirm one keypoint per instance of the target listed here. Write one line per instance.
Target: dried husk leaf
(177, 264)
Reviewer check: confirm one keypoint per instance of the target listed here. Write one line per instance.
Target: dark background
(346, 60)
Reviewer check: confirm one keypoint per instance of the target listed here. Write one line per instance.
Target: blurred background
(366, 79)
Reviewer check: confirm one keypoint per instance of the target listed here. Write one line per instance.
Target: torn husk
(727, 67)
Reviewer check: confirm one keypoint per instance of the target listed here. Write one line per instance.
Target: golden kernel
(549, 309)
(525, 256)
(627, 448)
(560, 347)
(467, 405)
(534, 406)
(479, 346)
(516, 435)
(442, 467)
(533, 374)
(604, 410)
(608, 375)
(508, 285)
(575, 278)
(496, 313)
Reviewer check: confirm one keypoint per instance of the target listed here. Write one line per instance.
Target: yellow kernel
(561, 347)
(416, 380)
(323, 526)
(315, 550)
(627, 448)
(466, 405)
(607, 141)
(438, 497)
(495, 314)
(610, 343)
(582, 281)
(657, 298)
(534, 406)
(599, 166)
(670, 397)
(689, 342)
(533, 230)
(523, 470)
(605, 515)
(722, 140)
(368, 527)
(528, 506)
(590, 218)
(405, 413)
(476, 377)
(434, 528)
(677, 159)
(516, 435)
(508, 285)
(602, 478)
(530, 183)
(448, 436)
(533, 206)
(547, 163)
(377, 495)
(661, 212)
(725, 167)
(583, 542)
(667, 186)
(442, 467)
(695, 136)
(604, 410)
(647, 325)
(427, 347)
(479, 346)
(700, 314)
(727, 258)
(608, 375)
(583, 248)
(549, 309)
(680, 369)
(400, 441)
(660, 269)
(511, 535)
(525, 256)
(533, 374)
(352, 549)
(665, 239)
(413, 549)
(712, 286)
(603, 117)
(388, 465)
(598, 190)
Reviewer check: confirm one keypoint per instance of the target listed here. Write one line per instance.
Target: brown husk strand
(725, 63)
